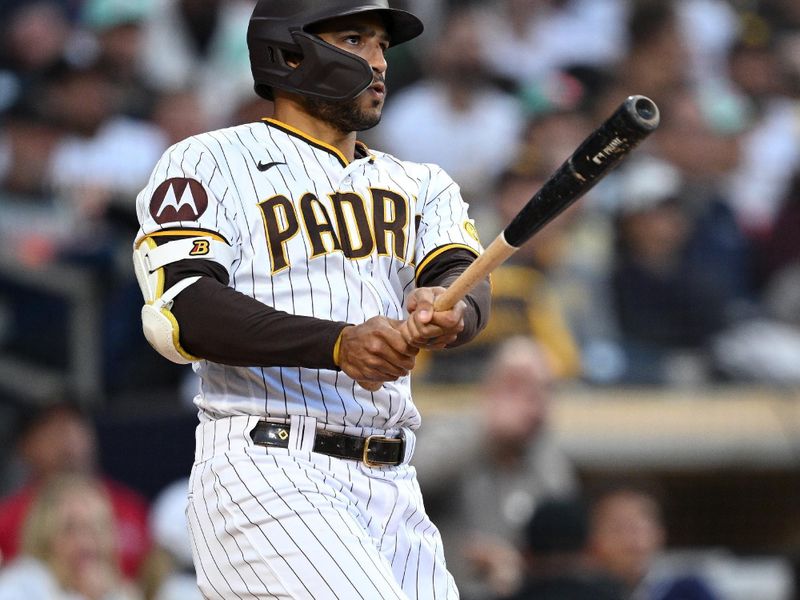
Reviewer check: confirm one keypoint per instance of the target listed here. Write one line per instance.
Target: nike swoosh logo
(267, 166)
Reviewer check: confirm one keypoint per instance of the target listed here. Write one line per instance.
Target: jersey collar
(361, 148)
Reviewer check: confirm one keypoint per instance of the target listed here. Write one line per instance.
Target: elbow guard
(158, 323)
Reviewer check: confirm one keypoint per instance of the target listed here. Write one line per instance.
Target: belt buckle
(377, 463)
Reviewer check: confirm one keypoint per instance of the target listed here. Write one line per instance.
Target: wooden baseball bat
(634, 119)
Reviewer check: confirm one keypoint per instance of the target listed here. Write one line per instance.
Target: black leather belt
(373, 451)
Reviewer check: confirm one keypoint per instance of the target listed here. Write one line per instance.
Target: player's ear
(292, 59)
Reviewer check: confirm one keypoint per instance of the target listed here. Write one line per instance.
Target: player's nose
(377, 58)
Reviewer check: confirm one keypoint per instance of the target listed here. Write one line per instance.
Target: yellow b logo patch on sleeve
(472, 231)
(200, 248)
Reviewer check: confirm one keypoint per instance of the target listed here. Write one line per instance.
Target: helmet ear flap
(272, 65)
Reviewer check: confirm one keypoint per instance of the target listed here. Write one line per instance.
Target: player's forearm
(442, 271)
(222, 325)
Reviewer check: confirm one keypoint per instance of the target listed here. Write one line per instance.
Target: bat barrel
(634, 120)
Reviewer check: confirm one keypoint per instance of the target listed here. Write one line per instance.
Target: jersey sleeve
(185, 197)
(443, 219)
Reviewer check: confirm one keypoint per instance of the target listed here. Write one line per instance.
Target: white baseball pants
(288, 523)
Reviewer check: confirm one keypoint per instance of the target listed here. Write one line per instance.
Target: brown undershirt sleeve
(225, 326)
(442, 271)
(218, 323)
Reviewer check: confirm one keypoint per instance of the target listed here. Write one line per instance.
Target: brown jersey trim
(312, 141)
(441, 269)
(433, 254)
(361, 149)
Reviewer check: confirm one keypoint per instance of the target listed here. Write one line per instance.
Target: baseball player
(296, 270)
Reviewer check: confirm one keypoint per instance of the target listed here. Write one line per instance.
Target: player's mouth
(378, 89)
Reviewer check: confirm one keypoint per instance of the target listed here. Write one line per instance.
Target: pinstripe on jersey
(313, 235)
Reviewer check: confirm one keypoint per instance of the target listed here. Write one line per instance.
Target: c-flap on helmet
(278, 27)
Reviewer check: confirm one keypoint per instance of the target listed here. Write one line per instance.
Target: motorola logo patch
(178, 199)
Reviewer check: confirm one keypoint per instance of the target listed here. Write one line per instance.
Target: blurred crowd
(682, 267)
(519, 521)
(679, 268)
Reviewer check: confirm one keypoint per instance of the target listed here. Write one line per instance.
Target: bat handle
(494, 255)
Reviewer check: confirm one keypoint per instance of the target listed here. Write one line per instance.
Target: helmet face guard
(278, 27)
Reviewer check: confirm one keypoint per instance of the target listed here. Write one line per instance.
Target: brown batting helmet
(278, 27)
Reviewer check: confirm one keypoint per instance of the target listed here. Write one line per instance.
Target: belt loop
(410, 443)
(302, 431)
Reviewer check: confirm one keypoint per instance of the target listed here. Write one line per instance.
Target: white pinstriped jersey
(312, 235)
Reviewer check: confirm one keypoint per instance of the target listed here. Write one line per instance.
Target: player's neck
(293, 115)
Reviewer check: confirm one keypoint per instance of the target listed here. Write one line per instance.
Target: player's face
(365, 36)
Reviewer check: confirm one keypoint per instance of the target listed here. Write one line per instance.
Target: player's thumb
(421, 305)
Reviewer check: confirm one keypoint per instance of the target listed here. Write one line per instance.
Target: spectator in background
(179, 115)
(770, 149)
(173, 578)
(26, 143)
(674, 286)
(528, 42)
(93, 173)
(60, 439)
(657, 60)
(665, 316)
(68, 547)
(463, 120)
(766, 348)
(252, 110)
(117, 27)
(103, 156)
(708, 28)
(35, 37)
(705, 152)
(712, 298)
(524, 286)
(484, 474)
(779, 260)
(199, 44)
(626, 536)
(556, 558)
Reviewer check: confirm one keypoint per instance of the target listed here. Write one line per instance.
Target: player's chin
(369, 119)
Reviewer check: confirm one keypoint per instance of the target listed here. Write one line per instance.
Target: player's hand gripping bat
(635, 119)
